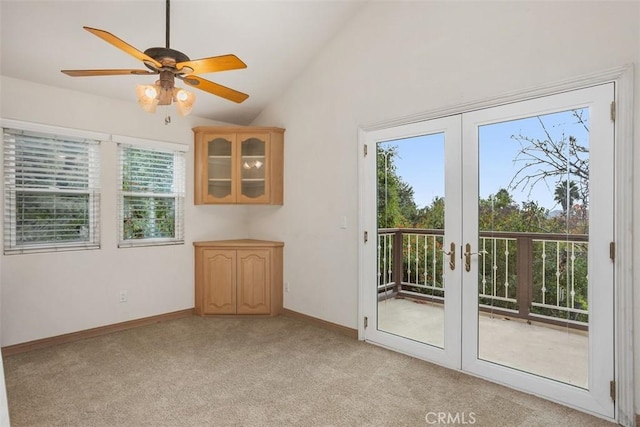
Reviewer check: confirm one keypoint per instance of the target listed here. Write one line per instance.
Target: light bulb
(182, 95)
(150, 92)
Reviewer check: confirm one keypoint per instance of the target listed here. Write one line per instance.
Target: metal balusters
(417, 264)
(484, 267)
(572, 293)
(494, 268)
(544, 272)
(409, 258)
(381, 237)
(558, 287)
(506, 268)
(434, 260)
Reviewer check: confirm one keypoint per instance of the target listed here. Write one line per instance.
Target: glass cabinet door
(220, 168)
(253, 169)
(238, 165)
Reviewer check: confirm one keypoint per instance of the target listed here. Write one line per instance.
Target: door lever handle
(467, 256)
(452, 256)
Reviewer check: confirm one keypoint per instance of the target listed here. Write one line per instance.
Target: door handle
(467, 256)
(452, 256)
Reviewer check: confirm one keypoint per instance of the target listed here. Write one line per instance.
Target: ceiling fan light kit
(169, 64)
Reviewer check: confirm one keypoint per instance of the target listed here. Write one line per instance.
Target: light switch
(343, 221)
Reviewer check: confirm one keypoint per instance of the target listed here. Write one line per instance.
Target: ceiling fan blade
(90, 73)
(215, 88)
(213, 64)
(122, 45)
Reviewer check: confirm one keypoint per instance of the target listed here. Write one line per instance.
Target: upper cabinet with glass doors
(239, 165)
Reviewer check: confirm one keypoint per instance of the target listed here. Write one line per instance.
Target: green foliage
(559, 277)
(395, 197)
(432, 216)
(52, 217)
(559, 270)
(148, 217)
(146, 177)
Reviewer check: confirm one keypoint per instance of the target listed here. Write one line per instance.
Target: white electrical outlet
(286, 286)
(123, 296)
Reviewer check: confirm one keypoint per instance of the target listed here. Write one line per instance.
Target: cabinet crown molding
(238, 129)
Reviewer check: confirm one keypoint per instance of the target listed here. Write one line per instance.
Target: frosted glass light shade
(147, 97)
(184, 101)
(150, 96)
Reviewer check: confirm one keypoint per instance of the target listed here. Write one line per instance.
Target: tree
(499, 212)
(549, 158)
(432, 216)
(565, 198)
(396, 206)
(406, 203)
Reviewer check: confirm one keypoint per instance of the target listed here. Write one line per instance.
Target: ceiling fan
(169, 64)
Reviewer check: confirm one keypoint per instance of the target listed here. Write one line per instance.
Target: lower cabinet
(240, 277)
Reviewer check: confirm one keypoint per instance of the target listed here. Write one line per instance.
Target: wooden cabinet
(238, 277)
(239, 165)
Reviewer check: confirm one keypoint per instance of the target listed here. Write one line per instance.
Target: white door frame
(449, 354)
(623, 305)
(597, 100)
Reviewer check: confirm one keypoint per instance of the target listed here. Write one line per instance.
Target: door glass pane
(533, 245)
(253, 168)
(219, 168)
(410, 287)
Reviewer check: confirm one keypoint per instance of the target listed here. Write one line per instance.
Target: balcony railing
(533, 276)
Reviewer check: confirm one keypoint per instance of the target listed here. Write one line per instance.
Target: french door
(492, 251)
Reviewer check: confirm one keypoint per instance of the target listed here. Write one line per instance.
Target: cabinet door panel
(219, 277)
(254, 282)
(220, 166)
(239, 165)
(253, 168)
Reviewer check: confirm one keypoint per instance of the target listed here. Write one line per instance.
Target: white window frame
(178, 185)
(94, 139)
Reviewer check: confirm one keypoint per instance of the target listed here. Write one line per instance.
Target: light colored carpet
(253, 372)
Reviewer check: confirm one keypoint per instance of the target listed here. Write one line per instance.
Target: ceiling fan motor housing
(166, 56)
(166, 84)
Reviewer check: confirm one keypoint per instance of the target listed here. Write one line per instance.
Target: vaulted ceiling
(276, 39)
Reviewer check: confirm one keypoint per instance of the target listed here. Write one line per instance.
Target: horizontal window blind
(150, 196)
(51, 191)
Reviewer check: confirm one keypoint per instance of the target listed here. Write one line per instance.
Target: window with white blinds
(51, 192)
(150, 196)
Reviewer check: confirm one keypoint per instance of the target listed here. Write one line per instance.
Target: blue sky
(420, 159)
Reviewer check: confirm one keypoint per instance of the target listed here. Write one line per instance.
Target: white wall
(393, 59)
(49, 294)
(401, 58)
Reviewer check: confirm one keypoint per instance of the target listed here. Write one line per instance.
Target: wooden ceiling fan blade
(118, 72)
(213, 64)
(215, 88)
(122, 45)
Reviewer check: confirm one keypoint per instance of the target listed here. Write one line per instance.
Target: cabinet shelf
(219, 179)
(220, 157)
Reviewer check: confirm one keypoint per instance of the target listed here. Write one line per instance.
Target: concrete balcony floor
(557, 353)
